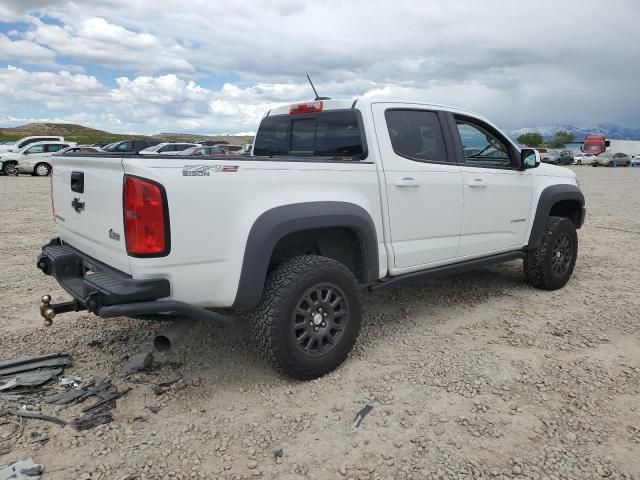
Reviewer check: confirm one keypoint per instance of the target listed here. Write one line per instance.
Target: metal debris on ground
(38, 416)
(360, 416)
(29, 379)
(21, 470)
(138, 363)
(91, 420)
(70, 382)
(25, 364)
(64, 398)
(106, 401)
(99, 412)
(31, 371)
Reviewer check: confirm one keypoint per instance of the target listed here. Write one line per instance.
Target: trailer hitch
(49, 310)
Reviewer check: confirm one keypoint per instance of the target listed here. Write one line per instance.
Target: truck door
(423, 185)
(498, 195)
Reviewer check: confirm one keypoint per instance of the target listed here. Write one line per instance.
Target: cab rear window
(335, 134)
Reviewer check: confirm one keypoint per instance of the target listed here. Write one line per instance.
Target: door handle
(478, 183)
(407, 182)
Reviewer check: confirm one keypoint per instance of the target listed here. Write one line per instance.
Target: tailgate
(87, 197)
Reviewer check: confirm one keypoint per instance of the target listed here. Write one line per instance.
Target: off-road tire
(538, 262)
(273, 322)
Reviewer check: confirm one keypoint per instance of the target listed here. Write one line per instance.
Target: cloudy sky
(210, 66)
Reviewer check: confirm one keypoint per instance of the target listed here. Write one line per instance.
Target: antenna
(314, 90)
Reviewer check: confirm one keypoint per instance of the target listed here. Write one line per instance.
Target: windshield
(327, 134)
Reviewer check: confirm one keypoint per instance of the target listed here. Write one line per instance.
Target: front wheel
(579, 162)
(550, 264)
(10, 168)
(42, 170)
(309, 316)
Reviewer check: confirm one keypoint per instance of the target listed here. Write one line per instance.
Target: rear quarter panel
(211, 215)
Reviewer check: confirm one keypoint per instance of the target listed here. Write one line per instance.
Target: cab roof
(365, 103)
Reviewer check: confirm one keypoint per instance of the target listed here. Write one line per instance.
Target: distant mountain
(609, 130)
(86, 135)
(70, 131)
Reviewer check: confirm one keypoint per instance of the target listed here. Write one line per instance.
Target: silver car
(608, 159)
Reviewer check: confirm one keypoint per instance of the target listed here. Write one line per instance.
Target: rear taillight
(310, 107)
(146, 218)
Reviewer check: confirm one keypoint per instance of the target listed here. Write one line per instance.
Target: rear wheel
(309, 316)
(10, 168)
(550, 264)
(42, 170)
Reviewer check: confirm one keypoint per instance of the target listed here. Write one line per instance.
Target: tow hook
(49, 311)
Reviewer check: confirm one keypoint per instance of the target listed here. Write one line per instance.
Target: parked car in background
(563, 157)
(247, 149)
(607, 159)
(583, 159)
(211, 143)
(23, 142)
(34, 158)
(80, 149)
(166, 148)
(232, 149)
(129, 146)
(203, 151)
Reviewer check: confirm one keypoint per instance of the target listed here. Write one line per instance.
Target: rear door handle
(478, 183)
(407, 182)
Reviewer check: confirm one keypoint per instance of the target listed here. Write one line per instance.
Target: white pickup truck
(338, 196)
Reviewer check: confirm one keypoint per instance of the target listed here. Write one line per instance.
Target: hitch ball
(46, 311)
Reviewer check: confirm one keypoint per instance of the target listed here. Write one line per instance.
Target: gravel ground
(474, 376)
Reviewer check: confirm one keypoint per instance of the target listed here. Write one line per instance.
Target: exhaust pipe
(168, 339)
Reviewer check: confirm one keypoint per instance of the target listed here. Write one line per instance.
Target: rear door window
(329, 134)
(54, 147)
(416, 135)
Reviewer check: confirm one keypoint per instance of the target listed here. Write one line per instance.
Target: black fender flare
(548, 198)
(274, 224)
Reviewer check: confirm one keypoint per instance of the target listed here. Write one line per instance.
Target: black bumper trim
(92, 283)
(168, 306)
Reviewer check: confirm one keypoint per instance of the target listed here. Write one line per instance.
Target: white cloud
(95, 40)
(518, 63)
(25, 51)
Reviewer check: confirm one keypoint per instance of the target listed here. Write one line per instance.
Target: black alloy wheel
(320, 318)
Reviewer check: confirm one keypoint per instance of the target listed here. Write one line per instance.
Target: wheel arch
(290, 225)
(563, 200)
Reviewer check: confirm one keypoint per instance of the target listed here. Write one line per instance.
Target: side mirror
(529, 158)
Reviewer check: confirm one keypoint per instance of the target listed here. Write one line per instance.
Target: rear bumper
(108, 292)
(93, 284)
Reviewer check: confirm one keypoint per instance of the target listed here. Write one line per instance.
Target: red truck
(595, 144)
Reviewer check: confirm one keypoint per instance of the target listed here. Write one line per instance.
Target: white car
(23, 142)
(167, 148)
(339, 196)
(34, 158)
(583, 159)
